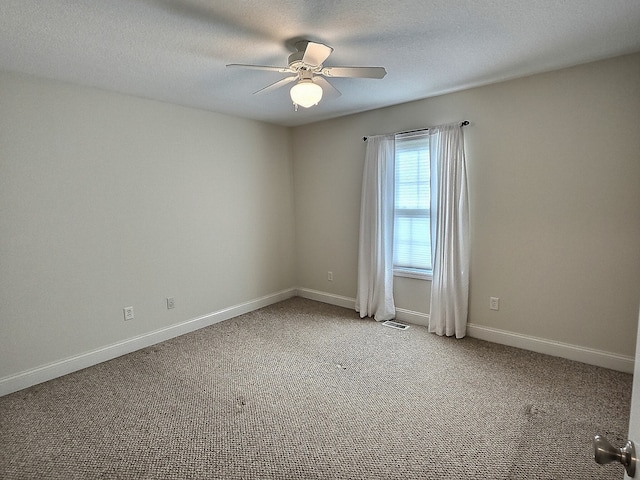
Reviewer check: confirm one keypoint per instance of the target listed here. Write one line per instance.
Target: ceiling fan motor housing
(295, 61)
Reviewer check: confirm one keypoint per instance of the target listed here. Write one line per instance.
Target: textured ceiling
(176, 50)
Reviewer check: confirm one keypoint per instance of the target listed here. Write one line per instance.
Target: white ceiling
(176, 50)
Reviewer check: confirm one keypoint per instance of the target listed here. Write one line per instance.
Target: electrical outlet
(494, 303)
(330, 276)
(171, 303)
(128, 313)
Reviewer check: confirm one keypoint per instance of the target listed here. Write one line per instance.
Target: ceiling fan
(306, 67)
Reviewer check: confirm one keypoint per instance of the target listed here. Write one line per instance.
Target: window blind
(412, 231)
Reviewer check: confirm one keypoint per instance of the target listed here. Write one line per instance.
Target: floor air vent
(392, 324)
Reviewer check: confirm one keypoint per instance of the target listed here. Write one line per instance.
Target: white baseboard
(325, 297)
(409, 316)
(600, 358)
(590, 356)
(72, 364)
(402, 314)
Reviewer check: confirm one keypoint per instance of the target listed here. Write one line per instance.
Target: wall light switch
(171, 303)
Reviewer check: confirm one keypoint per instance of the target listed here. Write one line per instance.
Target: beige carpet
(304, 390)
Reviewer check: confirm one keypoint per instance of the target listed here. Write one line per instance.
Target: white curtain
(449, 232)
(375, 254)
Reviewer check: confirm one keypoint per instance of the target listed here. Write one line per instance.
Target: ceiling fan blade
(262, 67)
(355, 72)
(316, 53)
(278, 84)
(329, 91)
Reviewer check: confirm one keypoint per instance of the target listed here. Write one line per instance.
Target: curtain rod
(464, 123)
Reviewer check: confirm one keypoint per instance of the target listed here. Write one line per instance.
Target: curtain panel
(449, 231)
(375, 253)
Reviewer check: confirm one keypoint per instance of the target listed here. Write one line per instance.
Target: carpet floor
(305, 390)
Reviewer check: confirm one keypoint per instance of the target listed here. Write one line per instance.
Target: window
(412, 230)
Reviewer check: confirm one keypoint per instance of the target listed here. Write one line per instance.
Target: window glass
(412, 232)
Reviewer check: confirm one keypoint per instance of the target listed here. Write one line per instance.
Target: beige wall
(108, 201)
(554, 180)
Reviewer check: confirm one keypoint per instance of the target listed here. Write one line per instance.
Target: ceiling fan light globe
(306, 93)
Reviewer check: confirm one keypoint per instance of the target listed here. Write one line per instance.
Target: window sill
(413, 273)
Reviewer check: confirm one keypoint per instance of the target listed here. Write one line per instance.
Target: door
(634, 421)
